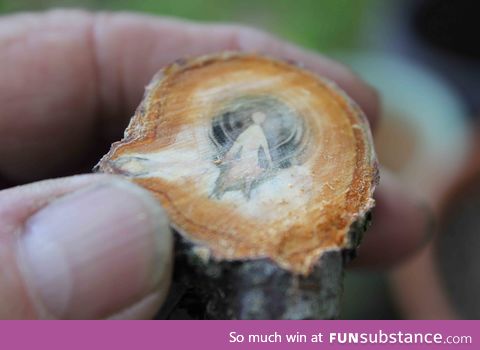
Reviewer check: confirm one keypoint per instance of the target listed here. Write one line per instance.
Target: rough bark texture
(256, 289)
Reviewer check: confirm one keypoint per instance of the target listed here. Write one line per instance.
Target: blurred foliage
(318, 24)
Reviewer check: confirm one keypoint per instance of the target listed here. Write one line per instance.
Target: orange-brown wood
(251, 158)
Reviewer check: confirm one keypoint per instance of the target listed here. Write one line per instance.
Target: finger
(155, 42)
(80, 248)
(71, 80)
(401, 225)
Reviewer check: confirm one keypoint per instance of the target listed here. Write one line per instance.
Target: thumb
(83, 247)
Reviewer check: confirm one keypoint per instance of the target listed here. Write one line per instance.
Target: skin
(94, 246)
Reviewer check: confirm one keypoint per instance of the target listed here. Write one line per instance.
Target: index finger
(71, 80)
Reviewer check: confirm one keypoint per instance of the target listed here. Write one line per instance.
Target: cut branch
(267, 173)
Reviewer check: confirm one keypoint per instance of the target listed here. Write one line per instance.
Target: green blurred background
(323, 25)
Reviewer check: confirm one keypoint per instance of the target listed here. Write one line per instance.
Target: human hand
(96, 246)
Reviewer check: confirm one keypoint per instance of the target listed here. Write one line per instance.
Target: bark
(256, 289)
